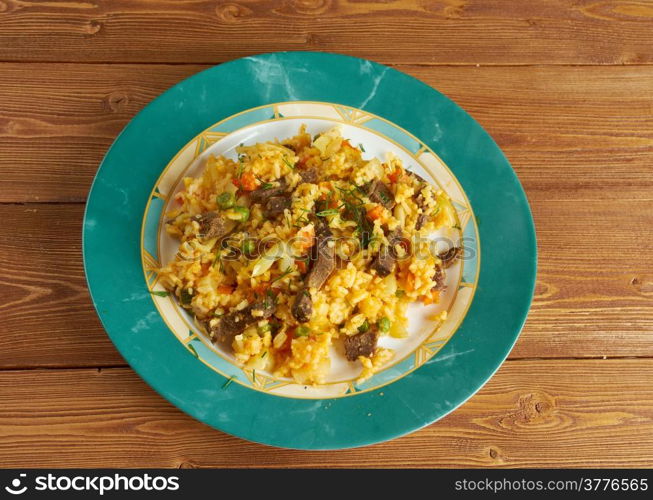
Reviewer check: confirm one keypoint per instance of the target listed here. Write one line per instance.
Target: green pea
(384, 325)
(240, 214)
(302, 331)
(265, 328)
(364, 327)
(225, 200)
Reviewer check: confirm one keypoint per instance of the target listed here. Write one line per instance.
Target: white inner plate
(421, 324)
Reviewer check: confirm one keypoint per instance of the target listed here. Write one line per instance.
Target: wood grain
(587, 303)
(581, 132)
(58, 121)
(46, 315)
(399, 31)
(563, 86)
(531, 414)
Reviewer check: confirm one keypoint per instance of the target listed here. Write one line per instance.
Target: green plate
(128, 195)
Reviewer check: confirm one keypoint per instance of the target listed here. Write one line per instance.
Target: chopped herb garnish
(400, 293)
(248, 247)
(159, 294)
(267, 185)
(283, 274)
(384, 196)
(228, 382)
(218, 260)
(270, 298)
(291, 166)
(362, 148)
(264, 354)
(254, 375)
(357, 213)
(185, 296)
(325, 213)
(457, 227)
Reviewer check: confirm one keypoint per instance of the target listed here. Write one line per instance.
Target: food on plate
(301, 249)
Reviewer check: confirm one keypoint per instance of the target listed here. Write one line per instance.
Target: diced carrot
(394, 176)
(258, 291)
(225, 289)
(346, 143)
(248, 181)
(301, 266)
(433, 297)
(290, 334)
(410, 282)
(375, 212)
(306, 237)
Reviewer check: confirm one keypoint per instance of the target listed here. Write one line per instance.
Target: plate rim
(423, 149)
(530, 242)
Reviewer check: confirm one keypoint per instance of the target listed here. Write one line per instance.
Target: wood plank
(406, 31)
(572, 131)
(587, 303)
(58, 121)
(568, 131)
(530, 414)
(46, 315)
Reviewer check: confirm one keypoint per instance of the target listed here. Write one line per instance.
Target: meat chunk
(214, 225)
(439, 278)
(230, 325)
(380, 193)
(361, 344)
(415, 176)
(262, 194)
(276, 205)
(302, 308)
(384, 262)
(324, 256)
(310, 175)
(421, 218)
(450, 256)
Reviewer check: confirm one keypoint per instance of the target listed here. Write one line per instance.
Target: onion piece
(265, 261)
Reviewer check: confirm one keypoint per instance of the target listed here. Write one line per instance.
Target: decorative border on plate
(190, 336)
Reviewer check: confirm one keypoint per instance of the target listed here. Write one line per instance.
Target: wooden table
(565, 88)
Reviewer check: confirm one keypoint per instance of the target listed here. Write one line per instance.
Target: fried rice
(302, 245)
